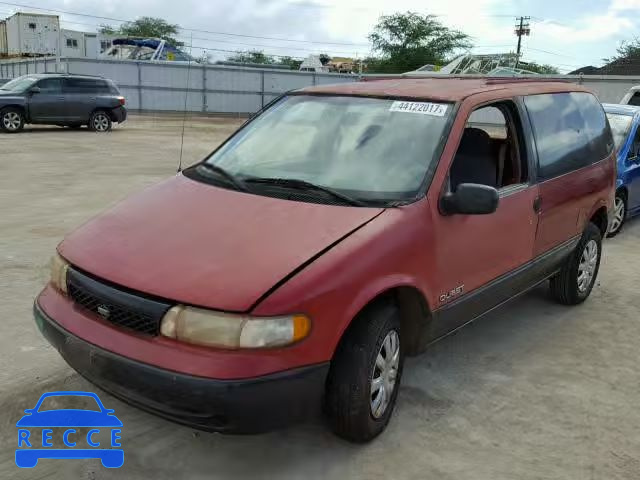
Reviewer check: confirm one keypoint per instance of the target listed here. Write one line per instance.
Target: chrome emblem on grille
(103, 311)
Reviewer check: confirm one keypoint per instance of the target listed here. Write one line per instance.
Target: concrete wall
(223, 89)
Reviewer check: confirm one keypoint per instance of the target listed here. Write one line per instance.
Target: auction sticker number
(423, 108)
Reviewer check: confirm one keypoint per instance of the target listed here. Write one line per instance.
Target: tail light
(121, 100)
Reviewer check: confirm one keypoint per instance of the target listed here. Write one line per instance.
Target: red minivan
(341, 229)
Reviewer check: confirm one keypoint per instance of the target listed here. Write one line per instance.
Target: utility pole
(522, 28)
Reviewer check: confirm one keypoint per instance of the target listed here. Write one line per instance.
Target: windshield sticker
(423, 108)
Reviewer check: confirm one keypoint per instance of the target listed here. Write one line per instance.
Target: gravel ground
(532, 391)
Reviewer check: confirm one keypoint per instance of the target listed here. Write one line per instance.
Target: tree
(324, 58)
(406, 41)
(544, 69)
(629, 49)
(291, 62)
(252, 56)
(147, 27)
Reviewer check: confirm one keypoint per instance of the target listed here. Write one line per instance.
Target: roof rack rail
(501, 80)
(70, 74)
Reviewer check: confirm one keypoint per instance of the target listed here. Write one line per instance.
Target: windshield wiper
(229, 177)
(304, 185)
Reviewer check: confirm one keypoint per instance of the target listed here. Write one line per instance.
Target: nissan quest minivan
(338, 231)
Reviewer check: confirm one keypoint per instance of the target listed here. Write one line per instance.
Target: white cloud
(618, 5)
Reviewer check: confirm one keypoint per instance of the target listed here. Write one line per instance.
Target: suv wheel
(12, 120)
(578, 274)
(619, 214)
(100, 121)
(365, 376)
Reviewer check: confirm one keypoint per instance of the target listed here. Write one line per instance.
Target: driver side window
(50, 86)
(491, 149)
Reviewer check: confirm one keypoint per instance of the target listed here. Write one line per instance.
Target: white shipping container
(32, 34)
(72, 44)
(3, 38)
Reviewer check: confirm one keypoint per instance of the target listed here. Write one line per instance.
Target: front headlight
(59, 269)
(217, 329)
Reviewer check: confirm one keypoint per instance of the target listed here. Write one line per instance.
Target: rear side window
(86, 85)
(571, 131)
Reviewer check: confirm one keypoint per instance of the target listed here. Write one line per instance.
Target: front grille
(122, 308)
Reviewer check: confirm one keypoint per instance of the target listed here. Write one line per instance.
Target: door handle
(62, 98)
(537, 204)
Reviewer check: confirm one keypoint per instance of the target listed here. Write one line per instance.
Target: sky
(567, 34)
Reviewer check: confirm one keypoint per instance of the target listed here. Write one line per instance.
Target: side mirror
(34, 90)
(471, 199)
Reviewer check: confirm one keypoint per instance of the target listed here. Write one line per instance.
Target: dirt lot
(534, 391)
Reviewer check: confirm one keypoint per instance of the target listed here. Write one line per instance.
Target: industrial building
(39, 35)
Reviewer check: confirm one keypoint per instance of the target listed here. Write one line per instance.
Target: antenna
(186, 97)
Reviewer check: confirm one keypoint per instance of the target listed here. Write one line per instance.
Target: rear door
(81, 96)
(573, 142)
(48, 105)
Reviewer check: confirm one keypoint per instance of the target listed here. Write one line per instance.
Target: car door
(483, 260)
(630, 171)
(572, 138)
(48, 104)
(81, 94)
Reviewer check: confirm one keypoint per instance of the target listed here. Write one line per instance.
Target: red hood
(203, 245)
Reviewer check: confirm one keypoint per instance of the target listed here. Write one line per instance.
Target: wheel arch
(18, 106)
(600, 217)
(413, 309)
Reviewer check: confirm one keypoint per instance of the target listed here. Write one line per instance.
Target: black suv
(60, 99)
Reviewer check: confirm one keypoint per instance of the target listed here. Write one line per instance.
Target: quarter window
(571, 131)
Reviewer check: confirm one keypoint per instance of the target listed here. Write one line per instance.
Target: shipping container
(3, 38)
(32, 34)
(73, 45)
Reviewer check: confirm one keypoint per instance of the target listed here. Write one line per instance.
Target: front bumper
(232, 406)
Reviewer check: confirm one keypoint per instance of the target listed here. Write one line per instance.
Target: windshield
(370, 149)
(19, 85)
(620, 125)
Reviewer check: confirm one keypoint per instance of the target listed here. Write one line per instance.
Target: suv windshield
(19, 85)
(369, 149)
(620, 125)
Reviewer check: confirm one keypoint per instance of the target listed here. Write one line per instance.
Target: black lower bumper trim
(230, 406)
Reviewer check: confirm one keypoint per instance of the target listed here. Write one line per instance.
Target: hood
(203, 245)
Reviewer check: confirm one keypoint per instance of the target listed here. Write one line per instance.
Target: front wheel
(619, 214)
(12, 120)
(100, 121)
(573, 284)
(365, 376)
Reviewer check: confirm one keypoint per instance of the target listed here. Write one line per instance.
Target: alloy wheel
(101, 122)
(588, 265)
(385, 372)
(619, 211)
(11, 121)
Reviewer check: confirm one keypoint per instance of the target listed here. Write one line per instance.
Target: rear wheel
(11, 120)
(619, 214)
(578, 274)
(365, 376)
(100, 121)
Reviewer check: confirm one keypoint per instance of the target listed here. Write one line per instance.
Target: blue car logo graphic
(32, 446)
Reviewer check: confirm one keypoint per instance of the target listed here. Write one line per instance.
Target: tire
(567, 287)
(11, 120)
(619, 214)
(356, 411)
(100, 121)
